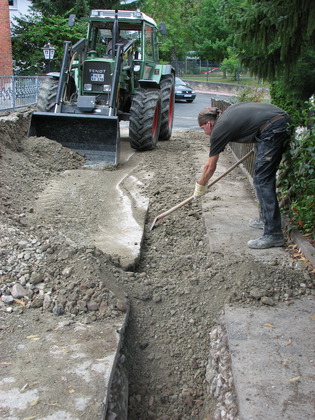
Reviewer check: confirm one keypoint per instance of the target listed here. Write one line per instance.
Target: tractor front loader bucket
(94, 136)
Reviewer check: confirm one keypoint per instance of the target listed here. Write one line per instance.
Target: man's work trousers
(271, 144)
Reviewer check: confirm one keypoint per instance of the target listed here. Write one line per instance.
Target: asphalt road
(185, 117)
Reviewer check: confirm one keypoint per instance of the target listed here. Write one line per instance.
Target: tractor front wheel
(145, 119)
(47, 95)
(168, 103)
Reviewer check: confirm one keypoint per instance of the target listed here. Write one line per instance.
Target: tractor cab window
(149, 44)
(131, 35)
(104, 40)
(99, 39)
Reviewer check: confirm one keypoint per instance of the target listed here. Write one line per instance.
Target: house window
(12, 3)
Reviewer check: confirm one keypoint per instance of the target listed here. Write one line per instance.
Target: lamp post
(49, 52)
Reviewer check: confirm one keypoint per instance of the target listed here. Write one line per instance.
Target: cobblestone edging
(219, 374)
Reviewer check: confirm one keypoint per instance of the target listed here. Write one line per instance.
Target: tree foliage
(65, 7)
(48, 22)
(232, 65)
(177, 16)
(196, 26)
(291, 91)
(29, 35)
(273, 34)
(209, 31)
(81, 8)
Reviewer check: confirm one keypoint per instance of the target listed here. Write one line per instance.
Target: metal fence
(195, 66)
(19, 91)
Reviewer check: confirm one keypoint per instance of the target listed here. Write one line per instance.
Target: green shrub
(297, 177)
(293, 91)
(295, 107)
(250, 94)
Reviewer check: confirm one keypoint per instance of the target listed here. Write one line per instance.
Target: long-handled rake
(166, 213)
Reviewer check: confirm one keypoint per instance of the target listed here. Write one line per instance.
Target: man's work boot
(256, 224)
(267, 241)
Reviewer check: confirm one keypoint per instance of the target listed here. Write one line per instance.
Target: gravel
(175, 348)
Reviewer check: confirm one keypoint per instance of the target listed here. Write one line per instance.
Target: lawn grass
(218, 78)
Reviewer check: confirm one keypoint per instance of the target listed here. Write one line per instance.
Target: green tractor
(112, 75)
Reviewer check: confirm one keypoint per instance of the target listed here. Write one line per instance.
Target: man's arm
(208, 169)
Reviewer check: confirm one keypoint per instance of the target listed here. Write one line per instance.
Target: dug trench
(174, 350)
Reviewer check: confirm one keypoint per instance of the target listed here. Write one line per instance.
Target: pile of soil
(176, 293)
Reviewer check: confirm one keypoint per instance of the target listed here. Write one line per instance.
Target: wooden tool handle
(162, 215)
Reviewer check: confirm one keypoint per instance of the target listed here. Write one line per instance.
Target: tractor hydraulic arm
(115, 82)
(68, 54)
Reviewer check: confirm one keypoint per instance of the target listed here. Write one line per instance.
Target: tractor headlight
(87, 86)
(106, 88)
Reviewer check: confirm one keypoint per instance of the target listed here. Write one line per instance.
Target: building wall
(6, 68)
(18, 8)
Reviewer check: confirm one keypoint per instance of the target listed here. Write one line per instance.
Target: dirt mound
(26, 163)
(13, 128)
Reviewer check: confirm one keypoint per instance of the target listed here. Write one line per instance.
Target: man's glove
(200, 190)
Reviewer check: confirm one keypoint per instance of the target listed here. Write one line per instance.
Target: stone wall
(224, 87)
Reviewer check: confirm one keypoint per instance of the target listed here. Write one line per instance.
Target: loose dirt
(175, 293)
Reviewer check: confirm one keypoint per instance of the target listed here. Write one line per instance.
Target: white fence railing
(19, 91)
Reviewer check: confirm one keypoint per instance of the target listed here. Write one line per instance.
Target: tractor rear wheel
(145, 119)
(168, 102)
(47, 95)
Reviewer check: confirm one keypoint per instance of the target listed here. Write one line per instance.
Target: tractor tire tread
(142, 134)
(47, 95)
(168, 101)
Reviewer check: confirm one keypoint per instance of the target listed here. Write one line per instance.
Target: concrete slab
(273, 360)
(82, 370)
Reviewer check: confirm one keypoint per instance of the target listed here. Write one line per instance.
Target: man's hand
(200, 190)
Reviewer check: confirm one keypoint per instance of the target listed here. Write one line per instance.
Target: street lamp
(49, 52)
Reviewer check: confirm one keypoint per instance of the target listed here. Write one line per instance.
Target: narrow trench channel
(173, 308)
(175, 294)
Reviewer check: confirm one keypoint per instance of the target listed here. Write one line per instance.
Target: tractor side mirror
(71, 20)
(162, 28)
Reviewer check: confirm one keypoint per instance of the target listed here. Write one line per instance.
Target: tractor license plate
(97, 77)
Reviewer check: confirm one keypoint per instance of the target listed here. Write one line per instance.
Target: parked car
(183, 91)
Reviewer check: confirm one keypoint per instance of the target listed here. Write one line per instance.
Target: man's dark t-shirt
(240, 123)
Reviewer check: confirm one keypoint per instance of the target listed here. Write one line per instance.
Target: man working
(268, 127)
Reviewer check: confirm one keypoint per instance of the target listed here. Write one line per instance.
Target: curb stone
(303, 244)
